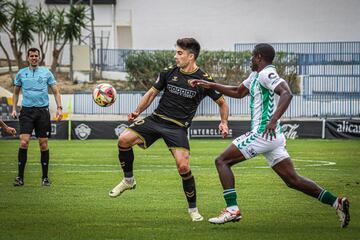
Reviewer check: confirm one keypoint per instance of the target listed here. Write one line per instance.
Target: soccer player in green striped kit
(265, 136)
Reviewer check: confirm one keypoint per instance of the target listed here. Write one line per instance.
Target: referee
(34, 114)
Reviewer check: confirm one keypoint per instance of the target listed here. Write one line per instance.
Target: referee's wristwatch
(60, 107)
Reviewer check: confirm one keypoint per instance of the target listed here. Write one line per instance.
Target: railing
(310, 48)
(302, 106)
(335, 85)
(331, 69)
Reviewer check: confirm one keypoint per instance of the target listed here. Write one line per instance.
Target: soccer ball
(104, 95)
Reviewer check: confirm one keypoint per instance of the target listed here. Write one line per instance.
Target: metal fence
(310, 47)
(302, 106)
(331, 69)
(330, 73)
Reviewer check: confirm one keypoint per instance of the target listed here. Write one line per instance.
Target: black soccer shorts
(153, 127)
(35, 118)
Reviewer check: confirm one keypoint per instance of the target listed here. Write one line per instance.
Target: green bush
(143, 67)
(225, 67)
(286, 66)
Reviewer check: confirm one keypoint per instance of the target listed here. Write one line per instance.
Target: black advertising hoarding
(59, 130)
(83, 130)
(292, 129)
(210, 129)
(302, 129)
(349, 129)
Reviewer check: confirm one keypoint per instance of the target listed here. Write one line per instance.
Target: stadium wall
(87, 130)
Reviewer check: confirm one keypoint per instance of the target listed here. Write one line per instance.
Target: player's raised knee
(123, 142)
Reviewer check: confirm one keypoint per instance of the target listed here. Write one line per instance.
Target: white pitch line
(145, 168)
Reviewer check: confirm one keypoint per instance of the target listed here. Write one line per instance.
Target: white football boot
(342, 210)
(121, 187)
(195, 215)
(226, 216)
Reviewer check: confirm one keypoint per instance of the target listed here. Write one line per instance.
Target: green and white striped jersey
(261, 87)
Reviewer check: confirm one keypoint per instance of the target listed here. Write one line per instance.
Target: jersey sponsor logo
(181, 91)
(140, 122)
(289, 130)
(82, 131)
(119, 129)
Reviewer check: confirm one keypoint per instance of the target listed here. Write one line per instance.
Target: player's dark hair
(33, 50)
(266, 51)
(189, 44)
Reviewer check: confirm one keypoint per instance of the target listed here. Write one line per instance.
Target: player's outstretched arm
(231, 91)
(145, 102)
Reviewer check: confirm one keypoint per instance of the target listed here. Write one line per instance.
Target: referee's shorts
(35, 118)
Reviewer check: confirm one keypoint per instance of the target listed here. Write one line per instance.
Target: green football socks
(327, 198)
(230, 197)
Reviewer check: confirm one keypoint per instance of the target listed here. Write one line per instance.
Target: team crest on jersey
(205, 75)
(40, 80)
(168, 67)
(175, 78)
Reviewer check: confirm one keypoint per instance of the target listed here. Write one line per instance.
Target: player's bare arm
(285, 94)
(231, 91)
(57, 97)
(15, 101)
(145, 102)
(224, 114)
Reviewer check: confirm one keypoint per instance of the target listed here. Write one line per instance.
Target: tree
(44, 22)
(19, 25)
(3, 22)
(67, 27)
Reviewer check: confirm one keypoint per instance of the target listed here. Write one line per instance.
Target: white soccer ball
(104, 95)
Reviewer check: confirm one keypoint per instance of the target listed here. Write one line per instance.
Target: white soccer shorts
(251, 144)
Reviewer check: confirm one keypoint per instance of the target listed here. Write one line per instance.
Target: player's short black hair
(33, 50)
(189, 44)
(266, 51)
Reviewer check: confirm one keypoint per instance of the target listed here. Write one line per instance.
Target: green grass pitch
(77, 205)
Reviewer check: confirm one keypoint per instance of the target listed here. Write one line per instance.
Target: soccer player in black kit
(170, 120)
